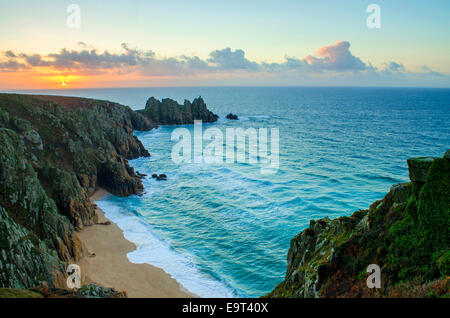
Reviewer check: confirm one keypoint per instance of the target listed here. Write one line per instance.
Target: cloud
(291, 64)
(91, 59)
(334, 61)
(228, 59)
(335, 57)
(10, 54)
(12, 66)
(394, 67)
(35, 60)
(429, 71)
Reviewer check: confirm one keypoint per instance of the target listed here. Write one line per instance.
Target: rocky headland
(55, 152)
(169, 112)
(407, 234)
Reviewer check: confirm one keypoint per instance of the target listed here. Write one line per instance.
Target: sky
(138, 43)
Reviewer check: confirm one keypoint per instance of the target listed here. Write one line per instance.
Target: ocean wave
(151, 249)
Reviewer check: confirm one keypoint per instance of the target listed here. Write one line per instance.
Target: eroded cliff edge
(54, 152)
(407, 234)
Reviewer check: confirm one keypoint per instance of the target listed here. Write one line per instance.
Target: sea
(224, 229)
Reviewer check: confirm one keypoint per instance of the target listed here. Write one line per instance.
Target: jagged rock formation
(407, 234)
(169, 112)
(54, 152)
(231, 116)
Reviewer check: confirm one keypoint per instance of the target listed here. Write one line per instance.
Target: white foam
(153, 250)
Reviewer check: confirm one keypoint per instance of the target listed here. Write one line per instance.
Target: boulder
(232, 116)
(161, 177)
(34, 138)
(418, 168)
(140, 175)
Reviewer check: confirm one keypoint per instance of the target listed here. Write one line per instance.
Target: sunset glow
(260, 49)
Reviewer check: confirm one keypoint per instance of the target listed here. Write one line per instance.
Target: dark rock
(418, 168)
(232, 116)
(103, 223)
(400, 192)
(154, 176)
(169, 112)
(161, 177)
(447, 154)
(116, 178)
(140, 175)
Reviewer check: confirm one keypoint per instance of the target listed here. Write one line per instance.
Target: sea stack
(169, 112)
(232, 116)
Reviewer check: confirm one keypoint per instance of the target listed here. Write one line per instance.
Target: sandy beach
(110, 266)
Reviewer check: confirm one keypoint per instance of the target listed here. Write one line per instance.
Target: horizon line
(221, 86)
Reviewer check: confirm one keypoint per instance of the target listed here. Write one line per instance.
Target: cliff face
(54, 152)
(169, 112)
(407, 234)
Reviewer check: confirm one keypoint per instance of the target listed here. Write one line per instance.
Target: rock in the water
(232, 116)
(169, 112)
(154, 176)
(140, 175)
(418, 168)
(161, 177)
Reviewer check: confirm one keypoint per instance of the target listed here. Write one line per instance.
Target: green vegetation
(18, 293)
(53, 150)
(421, 239)
(406, 234)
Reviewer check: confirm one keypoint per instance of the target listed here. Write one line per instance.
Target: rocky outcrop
(35, 238)
(169, 112)
(54, 152)
(406, 234)
(418, 168)
(232, 116)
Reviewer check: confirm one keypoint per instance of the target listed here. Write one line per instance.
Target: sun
(63, 83)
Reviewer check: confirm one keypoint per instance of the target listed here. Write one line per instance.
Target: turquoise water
(224, 230)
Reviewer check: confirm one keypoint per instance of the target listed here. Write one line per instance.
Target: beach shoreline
(106, 262)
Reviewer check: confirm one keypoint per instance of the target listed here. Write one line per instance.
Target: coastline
(110, 266)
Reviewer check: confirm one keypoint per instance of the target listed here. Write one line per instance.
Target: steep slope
(54, 152)
(407, 234)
